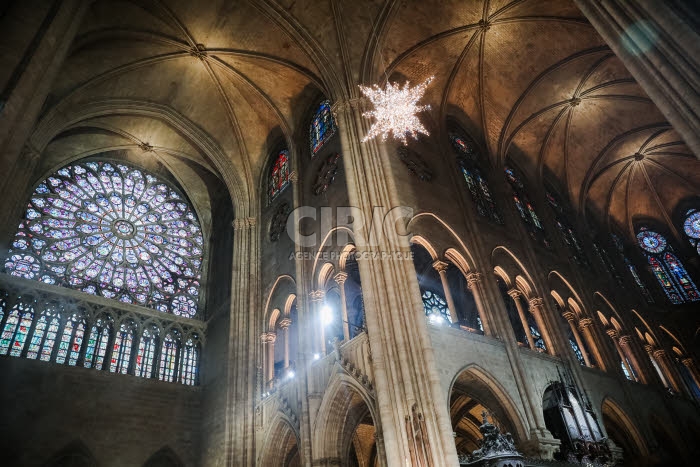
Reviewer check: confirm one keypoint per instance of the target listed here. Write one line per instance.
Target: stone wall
(122, 420)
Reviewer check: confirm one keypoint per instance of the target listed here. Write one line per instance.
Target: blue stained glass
(91, 218)
(682, 278)
(322, 127)
(525, 208)
(577, 351)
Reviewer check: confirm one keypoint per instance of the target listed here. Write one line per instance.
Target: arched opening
(165, 457)
(569, 417)
(282, 447)
(345, 432)
(623, 433)
(474, 394)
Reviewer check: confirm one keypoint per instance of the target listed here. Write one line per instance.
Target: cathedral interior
(349, 233)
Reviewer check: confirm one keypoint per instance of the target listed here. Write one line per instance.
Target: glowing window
(146, 353)
(279, 175)
(691, 227)
(525, 208)
(121, 350)
(667, 268)
(188, 363)
(322, 127)
(113, 230)
(168, 357)
(97, 344)
(435, 306)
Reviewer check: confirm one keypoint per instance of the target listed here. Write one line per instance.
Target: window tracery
(566, 230)
(114, 230)
(691, 227)
(619, 246)
(322, 127)
(279, 175)
(326, 174)
(435, 306)
(468, 158)
(525, 208)
(667, 268)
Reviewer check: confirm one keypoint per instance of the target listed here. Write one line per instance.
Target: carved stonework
(340, 278)
(415, 164)
(569, 316)
(496, 448)
(440, 266)
(585, 323)
(317, 295)
(473, 279)
(536, 302)
(199, 51)
(514, 294)
(284, 323)
(279, 221)
(418, 442)
(326, 174)
(244, 223)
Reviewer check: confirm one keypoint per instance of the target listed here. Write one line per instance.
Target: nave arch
(472, 392)
(623, 432)
(281, 445)
(346, 427)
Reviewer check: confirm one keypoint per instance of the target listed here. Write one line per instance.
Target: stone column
(667, 368)
(340, 279)
(268, 342)
(659, 44)
(515, 295)
(537, 309)
(659, 369)
(23, 97)
(244, 332)
(316, 297)
(441, 268)
(284, 324)
(474, 285)
(614, 336)
(570, 317)
(624, 346)
(690, 365)
(402, 354)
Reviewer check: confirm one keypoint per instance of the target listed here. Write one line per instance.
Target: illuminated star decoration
(395, 111)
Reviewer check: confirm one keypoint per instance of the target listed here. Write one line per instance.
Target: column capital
(440, 266)
(569, 315)
(317, 295)
(536, 302)
(688, 362)
(341, 277)
(612, 332)
(284, 323)
(473, 279)
(649, 349)
(625, 340)
(514, 293)
(584, 323)
(244, 223)
(268, 337)
(294, 177)
(659, 353)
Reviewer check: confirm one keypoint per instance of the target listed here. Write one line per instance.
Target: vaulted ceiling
(531, 79)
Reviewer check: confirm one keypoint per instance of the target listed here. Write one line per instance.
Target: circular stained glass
(113, 230)
(691, 226)
(651, 241)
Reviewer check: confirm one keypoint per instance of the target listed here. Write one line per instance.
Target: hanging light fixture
(395, 110)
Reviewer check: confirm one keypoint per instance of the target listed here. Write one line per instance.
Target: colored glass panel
(121, 350)
(279, 174)
(577, 351)
(651, 242)
(146, 353)
(8, 331)
(25, 324)
(50, 341)
(113, 230)
(37, 338)
(691, 227)
(168, 355)
(188, 364)
(322, 127)
(681, 277)
(525, 208)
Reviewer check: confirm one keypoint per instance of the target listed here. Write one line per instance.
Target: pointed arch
(620, 428)
(74, 454)
(485, 388)
(164, 457)
(281, 443)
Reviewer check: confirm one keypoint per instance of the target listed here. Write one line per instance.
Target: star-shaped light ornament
(395, 110)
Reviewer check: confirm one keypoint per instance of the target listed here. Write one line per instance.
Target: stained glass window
(113, 230)
(468, 158)
(8, 332)
(620, 247)
(667, 268)
(168, 357)
(577, 351)
(566, 230)
(691, 227)
(121, 350)
(50, 341)
(322, 127)
(17, 326)
(97, 344)
(525, 208)
(279, 174)
(71, 340)
(535, 333)
(435, 306)
(146, 353)
(607, 262)
(188, 363)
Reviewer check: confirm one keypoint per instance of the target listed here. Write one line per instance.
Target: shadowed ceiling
(531, 79)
